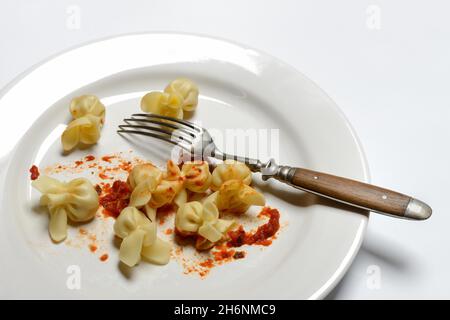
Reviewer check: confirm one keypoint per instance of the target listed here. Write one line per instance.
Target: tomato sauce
(98, 189)
(223, 254)
(78, 163)
(103, 176)
(164, 212)
(261, 235)
(209, 263)
(89, 158)
(108, 158)
(116, 198)
(34, 171)
(126, 166)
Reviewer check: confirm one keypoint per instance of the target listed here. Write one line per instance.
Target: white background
(385, 63)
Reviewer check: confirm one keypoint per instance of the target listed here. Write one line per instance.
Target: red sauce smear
(104, 257)
(116, 199)
(201, 273)
(239, 255)
(108, 158)
(34, 172)
(98, 189)
(164, 212)
(261, 235)
(126, 166)
(78, 163)
(92, 247)
(209, 263)
(89, 158)
(103, 176)
(223, 254)
(106, 187)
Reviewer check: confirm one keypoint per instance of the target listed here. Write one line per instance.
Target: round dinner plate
(241, 90)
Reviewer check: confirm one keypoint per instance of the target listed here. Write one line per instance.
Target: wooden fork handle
(359, 194)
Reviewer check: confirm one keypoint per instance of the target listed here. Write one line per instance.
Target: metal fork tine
(168, 133)
(163, 124)
(149, 134)
(183, 122)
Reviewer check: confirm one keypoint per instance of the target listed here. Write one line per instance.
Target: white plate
(240, 88)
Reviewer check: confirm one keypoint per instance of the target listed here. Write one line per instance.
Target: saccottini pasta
(88, 118)
(75, 200)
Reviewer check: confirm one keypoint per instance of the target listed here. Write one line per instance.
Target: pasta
(158, 252)
(189, 217)
(165, 104)
(153, 188)
(179, 96)
(84, 130)
(76, 200)
(222, 226)
(230, 170)
(150, 212)
(187, 89)
(181, 198)
(139, 238)
(236, 197)
(198, 177)
(87, 104)
(194, 218)
(89, 115)
(171, 184)
(143, 180)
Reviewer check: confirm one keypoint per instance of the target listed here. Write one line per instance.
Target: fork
(199, 143)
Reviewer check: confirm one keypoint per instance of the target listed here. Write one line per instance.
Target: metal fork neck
(268, 170)
(254, 164)
(272, 170)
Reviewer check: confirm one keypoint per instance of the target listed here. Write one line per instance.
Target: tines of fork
(176, 131)
(192, 138)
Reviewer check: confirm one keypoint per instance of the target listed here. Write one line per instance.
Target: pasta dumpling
(143, 180)
(181, 198)
(139, 239)
(89, 116)
(171, 184)
(162, 103)
(87, 104)
(187, 89)
(198, 177)
(230, 170)
(194, 218)
(84, 130)
(236, 197)
(150, 212)
(180, 95)
(76, 200)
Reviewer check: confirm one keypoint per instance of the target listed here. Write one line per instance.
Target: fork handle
(351, 192)
(359, 194)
